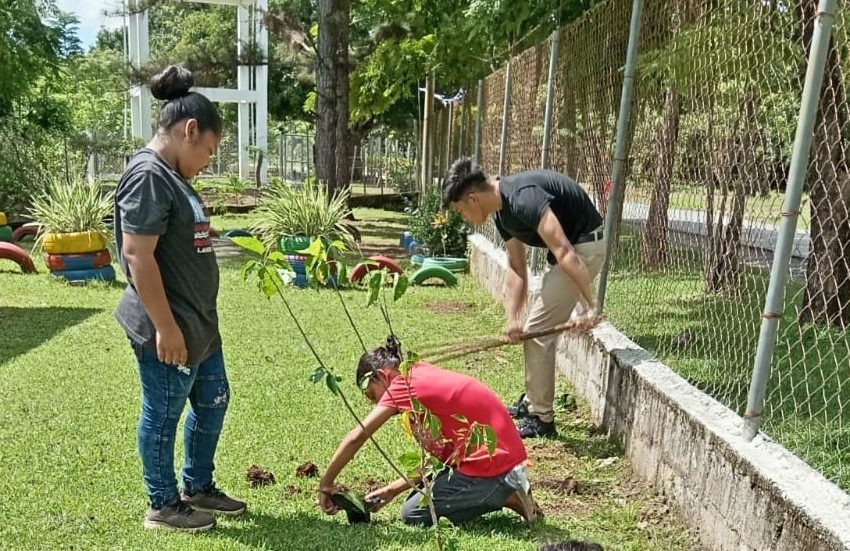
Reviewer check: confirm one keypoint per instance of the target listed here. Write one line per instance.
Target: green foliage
(304, 210)
(74, 207)
(439, 233)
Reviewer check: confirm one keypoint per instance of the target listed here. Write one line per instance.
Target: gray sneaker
(213, 500)
(179, 517)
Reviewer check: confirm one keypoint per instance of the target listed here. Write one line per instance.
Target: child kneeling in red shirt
(478, 482)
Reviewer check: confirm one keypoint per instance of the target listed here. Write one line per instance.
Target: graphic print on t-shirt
(202, 243)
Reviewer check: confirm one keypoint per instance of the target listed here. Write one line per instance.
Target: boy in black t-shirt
(538, 208)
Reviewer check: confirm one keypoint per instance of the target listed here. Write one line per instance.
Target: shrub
(438, 232)
(74, 207)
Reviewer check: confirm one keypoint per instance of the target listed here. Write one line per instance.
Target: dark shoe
(179, 517)
(533, 427)
(519, 409)
(215, 501)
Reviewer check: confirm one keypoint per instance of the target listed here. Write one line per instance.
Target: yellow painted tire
(3, 220)
(73, 243)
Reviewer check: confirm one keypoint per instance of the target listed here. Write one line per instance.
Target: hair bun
(173, 82)
(393, 346)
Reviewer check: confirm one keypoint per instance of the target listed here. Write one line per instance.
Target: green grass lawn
(711, 340)
(71, 477)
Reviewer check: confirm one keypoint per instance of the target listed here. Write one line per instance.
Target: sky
(91, 15)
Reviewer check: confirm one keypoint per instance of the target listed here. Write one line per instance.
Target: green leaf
(400, 284)
(490, 438)
(315, 250)
(460, 418)
(318, 375)
(248, 269)
(410, 461)
(434, 424)
(333, 383)
(405, 366)
(250, 244)
(417, 406)
(376, 279)
(341, 275)
(270, 281)
(338, 245)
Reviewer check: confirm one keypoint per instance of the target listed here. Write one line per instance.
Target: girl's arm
(346, 451)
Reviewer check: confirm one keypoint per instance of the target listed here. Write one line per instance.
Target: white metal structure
(251, 93)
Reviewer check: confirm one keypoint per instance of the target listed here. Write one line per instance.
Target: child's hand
(377, 499)
(325, 503)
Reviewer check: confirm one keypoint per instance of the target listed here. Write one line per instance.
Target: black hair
(379, 358)
(172, 86)
(572, 545)
(461, 177)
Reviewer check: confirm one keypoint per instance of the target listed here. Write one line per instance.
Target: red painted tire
(58, 262)
(23, 231)
(10, 251)
(383, 262)
(214, 232)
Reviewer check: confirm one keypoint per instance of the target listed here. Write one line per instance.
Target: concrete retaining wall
(737, 495)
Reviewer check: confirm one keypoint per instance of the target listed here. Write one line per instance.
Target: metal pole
(463, 110)
(506, 115)
(790, 210)
(550, 100)
(620, 151)
(476, 146)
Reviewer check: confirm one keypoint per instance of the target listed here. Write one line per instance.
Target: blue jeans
(164, 392)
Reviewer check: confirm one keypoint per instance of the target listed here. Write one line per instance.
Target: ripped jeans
(164, 392)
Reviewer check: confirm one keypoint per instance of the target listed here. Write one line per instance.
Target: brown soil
(291, 491)
(257, 476)
(372, 485)
(566, 486)
(450, 307)
(307, 470)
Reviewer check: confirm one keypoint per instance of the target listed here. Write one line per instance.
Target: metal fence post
(790, 211)
(615, 205)
(479, 105)
(506, 115)
(550, 96)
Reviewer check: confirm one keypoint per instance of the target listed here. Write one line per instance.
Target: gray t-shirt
(154, 199)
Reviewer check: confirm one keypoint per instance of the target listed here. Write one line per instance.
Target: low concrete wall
(737, 495)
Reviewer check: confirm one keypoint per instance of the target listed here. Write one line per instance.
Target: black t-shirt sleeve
(144, 203)
(530, 204)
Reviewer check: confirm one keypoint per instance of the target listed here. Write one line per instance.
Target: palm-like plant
(72, 207)
(309, 211)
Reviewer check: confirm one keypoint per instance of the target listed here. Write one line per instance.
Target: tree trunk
(656, 242)
(827, 295)
(725, 271)
(332, 139)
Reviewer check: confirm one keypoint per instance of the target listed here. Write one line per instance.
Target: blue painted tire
(413, 247)
(417, 259)
(424, 274)
(107, 273)
(405, 240)
(85, 261)
(452, 263)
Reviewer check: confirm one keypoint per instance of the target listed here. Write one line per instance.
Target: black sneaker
(179, 517)
(533, 427)
(215, 501)
(519, 409)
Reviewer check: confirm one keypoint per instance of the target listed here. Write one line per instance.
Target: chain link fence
(717, 93)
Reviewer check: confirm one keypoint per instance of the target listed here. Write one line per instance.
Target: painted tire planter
(451, 263)
(430, 272)
(292, 244)
(106, 273)
(300, 268)
(73, 243)
(85, 261)
(6, 234)
(237, 233)
(412, 247)
(363, 268)
(417, 259)
(3, 219)
(10, 251)
(28, 229)
(405, 240)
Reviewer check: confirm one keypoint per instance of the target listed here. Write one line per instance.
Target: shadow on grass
(305, 532)
(23, 329)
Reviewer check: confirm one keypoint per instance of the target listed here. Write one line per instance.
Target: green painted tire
(452, 263)
(292, 244)
(428, 272)
(6, 234)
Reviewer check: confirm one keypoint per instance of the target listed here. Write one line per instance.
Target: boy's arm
(346, 451)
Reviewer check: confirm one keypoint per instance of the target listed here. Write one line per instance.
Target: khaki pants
(553, 304)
